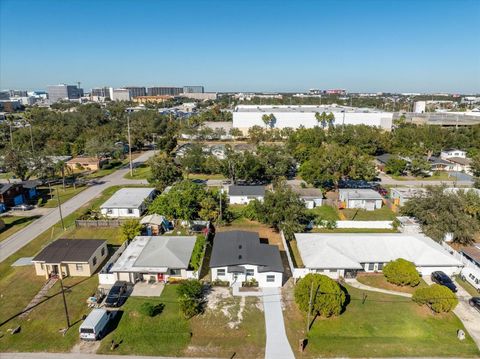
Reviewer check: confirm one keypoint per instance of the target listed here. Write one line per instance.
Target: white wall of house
(264, 279)
(243, 199)
(132, 277)
(122, 212)
(367, 204)
(312, 202)
(454, 153)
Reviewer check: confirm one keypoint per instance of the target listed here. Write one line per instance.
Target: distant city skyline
(361, 46)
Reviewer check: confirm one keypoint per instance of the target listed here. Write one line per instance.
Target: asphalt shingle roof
(241, 247)
(246, 191)
(69, 250)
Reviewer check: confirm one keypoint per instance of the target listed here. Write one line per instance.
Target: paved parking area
(145, 289)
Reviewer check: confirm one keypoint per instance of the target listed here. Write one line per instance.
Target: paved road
(27, 234)
(277, 346)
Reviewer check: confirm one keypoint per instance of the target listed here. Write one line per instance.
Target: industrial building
(164, 91)
(63, 92)
(284, 116)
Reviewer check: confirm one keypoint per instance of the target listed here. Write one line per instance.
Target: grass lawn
(140, 172)
(384, 326)
(437, 176)
(379, 281)
(6, 175)
(239, 219)
(14, 224)
(40, 329)
(233, 325)
(65, 195)
(295, 253)
(166, 334)
(467, 286)
(325, 212)
(202, 176)
(382, 214)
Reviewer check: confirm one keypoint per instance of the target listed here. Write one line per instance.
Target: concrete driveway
(469, 316)
(277, 346)
(51, 217)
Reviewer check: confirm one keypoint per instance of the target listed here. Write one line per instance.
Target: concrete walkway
(356, 284)
(21, 238)
(277, 346)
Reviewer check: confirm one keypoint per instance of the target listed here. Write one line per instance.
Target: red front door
(160, 277)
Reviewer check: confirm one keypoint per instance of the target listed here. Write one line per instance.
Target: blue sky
(362, 45)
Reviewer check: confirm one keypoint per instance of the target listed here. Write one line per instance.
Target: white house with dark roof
(344, 254)
(238, 256)
(127, 202)
(367, 199)
(245, 194)
(401, 195)
(156, 259)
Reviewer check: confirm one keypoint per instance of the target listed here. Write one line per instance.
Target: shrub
(150, 310)
(401, 272)
(220, 283)
(197, 252)
(328, 296)
(438, 297)
(190, 294)
(130, 229)
(252, 282)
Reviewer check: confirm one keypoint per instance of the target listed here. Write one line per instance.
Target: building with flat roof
(63, 92)
(284, 116)
(164, 90)
(344, 254)
(136, 91)
(120, 94)
(152, 99)
(127, 202)
(367, 199)
(193, 89)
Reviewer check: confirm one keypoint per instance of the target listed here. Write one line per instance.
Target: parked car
(443, 279)
(475, 302)
(471, 276)
(117, 294)
(95, 325)
(23, 207)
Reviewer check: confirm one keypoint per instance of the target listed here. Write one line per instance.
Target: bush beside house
(401, 272)
(438, 297)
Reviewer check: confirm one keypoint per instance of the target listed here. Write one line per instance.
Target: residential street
(277, 346)
(387, 180)
(30, 232)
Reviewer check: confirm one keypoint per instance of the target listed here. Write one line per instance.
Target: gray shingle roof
(128, 198)
(240, 247)
(69, 250)
(246, 191)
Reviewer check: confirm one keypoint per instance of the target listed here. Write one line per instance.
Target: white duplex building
(245, 194)
(127, 202)
(284, 116)
(367, 199)
(238, 256)
(345, 254)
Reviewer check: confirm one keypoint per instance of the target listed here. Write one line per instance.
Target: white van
(471, 276)
(95, 324)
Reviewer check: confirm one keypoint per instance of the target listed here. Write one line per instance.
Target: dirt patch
(86, 347)
(264, 231)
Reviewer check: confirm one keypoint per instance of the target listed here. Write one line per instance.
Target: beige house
(88, 163)
(71, 257)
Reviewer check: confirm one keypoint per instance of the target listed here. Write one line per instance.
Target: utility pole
(221, 193)
(31, 137)
(11, 133)
(309, 308)
(154, 144)
(129, 144)
(60, 209)
(65, 303)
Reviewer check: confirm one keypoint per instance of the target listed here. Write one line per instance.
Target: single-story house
(127, 202)
(88, 163)
(439, 164)
(238, 256)
(400, 195)
(11, 194)
(245, 194)
(381, 161)
(472, 253)
(155, 224)
(452, 152)
(461, 164)
(312, 197)
(30, 189)
(345, 254)
(367, 199)
(71, 257)
(155, 259)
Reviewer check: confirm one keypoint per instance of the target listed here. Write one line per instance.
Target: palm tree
(330, 119)
(268, 120)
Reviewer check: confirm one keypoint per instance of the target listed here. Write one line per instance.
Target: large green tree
(164, 170)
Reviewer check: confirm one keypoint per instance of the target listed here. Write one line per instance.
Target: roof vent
(239, 246)
(239, 256)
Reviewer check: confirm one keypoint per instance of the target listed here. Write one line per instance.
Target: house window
(103, 251)
(175, 271)
(270, 278)
(332, 270)
(220, 272)
(130, 211)
(319, 270)
(109, 211)
(42, 266)
(79, 267)
(371, 266)
(94, 260)
(380, 266)
(250, 272)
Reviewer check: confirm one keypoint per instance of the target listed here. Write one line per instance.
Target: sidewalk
(356, 284)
